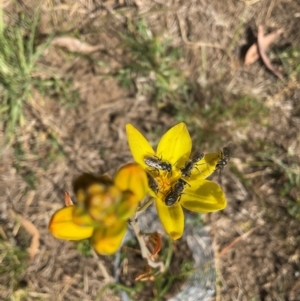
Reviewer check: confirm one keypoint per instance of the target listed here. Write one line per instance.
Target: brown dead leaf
(68, 200)
(75, 45)
(34, 232)
(262, 52)
(253, 55)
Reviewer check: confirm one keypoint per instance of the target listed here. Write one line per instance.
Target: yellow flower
(103, 208)
(164, 170)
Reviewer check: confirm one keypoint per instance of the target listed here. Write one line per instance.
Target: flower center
(164, 183)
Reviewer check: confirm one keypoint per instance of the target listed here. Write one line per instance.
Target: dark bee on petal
(158, 164)
(152, 183)
(175, 193)
(186, 171)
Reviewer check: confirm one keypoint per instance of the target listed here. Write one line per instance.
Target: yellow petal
(102, 204)
(127, 207)
(82, 218)
(172, 218)
(203, 196)
(62, 226)
(175, 145)
(138, 144)
(132, 177)
(106, 241)
(207, 165)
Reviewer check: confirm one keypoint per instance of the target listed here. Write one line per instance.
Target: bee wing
(229, 149)
(197, 156)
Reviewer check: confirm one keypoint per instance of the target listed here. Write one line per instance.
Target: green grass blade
(39, 51)
(1, 22)
(21, 52)
(33, 27)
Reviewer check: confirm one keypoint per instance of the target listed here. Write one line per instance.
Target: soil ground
(256, 238)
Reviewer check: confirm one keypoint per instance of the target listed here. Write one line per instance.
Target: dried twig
(235, 241)
(102, 268)
(146, 254)
(253, 54)
(34, 232)
(145, 276)
(75, 45)
(262, 52)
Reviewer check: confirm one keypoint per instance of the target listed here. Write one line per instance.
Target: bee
(158, 164)
(175, 192)
(190, 164)
(152, 183)
(225, 156)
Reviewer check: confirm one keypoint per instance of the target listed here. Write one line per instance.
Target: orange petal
(107, 241)
(132, 177)
(62, 226)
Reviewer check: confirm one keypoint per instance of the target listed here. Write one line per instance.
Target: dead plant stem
(146, 254)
